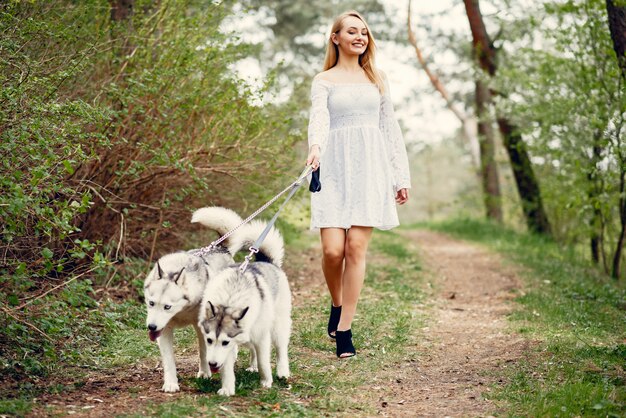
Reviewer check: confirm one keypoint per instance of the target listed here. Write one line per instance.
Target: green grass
(386, 325)
(79, 335)
(573, 313)
(15, 407)
(320, 384)
(577, 315)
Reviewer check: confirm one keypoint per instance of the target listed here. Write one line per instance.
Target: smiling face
(353, 36)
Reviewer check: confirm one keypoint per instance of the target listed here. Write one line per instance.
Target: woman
(354, 134)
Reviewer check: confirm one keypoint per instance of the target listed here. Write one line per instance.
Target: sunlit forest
(119, 118)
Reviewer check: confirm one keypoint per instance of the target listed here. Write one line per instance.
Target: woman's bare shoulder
(328, 75)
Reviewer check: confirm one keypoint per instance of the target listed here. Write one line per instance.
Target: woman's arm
(395, 145)
(319, 122)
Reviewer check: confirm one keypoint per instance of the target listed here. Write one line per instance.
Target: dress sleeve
(395, 143)
(319, 119)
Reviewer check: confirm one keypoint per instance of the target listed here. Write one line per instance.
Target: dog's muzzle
(153, 333)
(214, 367)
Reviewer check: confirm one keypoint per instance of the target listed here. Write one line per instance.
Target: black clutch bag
(315, 185)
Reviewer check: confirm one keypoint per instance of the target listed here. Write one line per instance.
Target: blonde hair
(366, 59)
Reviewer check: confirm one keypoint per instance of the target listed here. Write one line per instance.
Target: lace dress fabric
(363, 157)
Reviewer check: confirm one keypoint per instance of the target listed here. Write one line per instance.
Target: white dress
(363, 157)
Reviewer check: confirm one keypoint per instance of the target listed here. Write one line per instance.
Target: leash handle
(205, 250)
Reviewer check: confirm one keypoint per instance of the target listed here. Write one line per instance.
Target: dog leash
(257, 244)
(293, 187)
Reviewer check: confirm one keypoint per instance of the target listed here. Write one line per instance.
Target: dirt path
(458, 356)
(466, 342)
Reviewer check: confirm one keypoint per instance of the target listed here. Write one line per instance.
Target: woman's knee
(333, 254)
(356, 249)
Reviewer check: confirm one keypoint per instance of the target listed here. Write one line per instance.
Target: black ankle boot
(333, 320)
(344, 344)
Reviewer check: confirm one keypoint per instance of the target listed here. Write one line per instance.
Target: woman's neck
(349, 63)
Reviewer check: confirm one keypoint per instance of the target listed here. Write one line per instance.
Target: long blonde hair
(366, 60)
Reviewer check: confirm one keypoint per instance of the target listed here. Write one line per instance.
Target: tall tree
(487, 142)
(617, 27)
(485, 155)
(595, 192)
(569, 93)
(527, 184)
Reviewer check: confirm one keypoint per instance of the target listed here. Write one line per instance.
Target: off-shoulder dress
(363, 159)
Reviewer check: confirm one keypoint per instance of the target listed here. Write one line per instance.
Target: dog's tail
(273, 247)
(220, 220)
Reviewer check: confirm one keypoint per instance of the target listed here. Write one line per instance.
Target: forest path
(457, 357)
(466, 341)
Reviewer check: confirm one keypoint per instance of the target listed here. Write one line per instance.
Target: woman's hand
(314, 157)
(402, 196)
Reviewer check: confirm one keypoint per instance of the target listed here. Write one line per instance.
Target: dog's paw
(266, 383)
(203, 374)
(253, 369)
(282, 372)
(170, 387)
(226, 392)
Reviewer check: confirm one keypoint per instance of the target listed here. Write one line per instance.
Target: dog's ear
(210, 312)
(180, 273)
(159, 271)
(240, 313)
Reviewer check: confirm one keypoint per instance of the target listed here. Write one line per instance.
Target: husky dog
(173, 291)
(251, 308)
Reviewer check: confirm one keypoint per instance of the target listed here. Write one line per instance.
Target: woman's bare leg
(357, 241)
(333, 248)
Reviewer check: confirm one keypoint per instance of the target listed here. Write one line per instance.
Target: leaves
(565, 90)
(109, 136)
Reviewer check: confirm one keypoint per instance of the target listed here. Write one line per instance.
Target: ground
(467, 340)
(463, 346)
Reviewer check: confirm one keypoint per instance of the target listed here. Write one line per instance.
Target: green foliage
(43, 139)
(185, 122)
(561, 81)
(110, 133)
(575, 312)
(15, 407)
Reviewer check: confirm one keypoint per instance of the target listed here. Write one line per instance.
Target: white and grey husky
(174, 288)
(251, 308)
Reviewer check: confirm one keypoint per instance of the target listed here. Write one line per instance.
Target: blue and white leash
(293, 187)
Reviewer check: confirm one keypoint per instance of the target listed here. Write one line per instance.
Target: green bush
(111, 132)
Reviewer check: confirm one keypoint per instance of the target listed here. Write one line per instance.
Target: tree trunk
(617, 26)
(527, 185)
(489, 169)
(483, 48)
(596, 224)
(617, 257)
